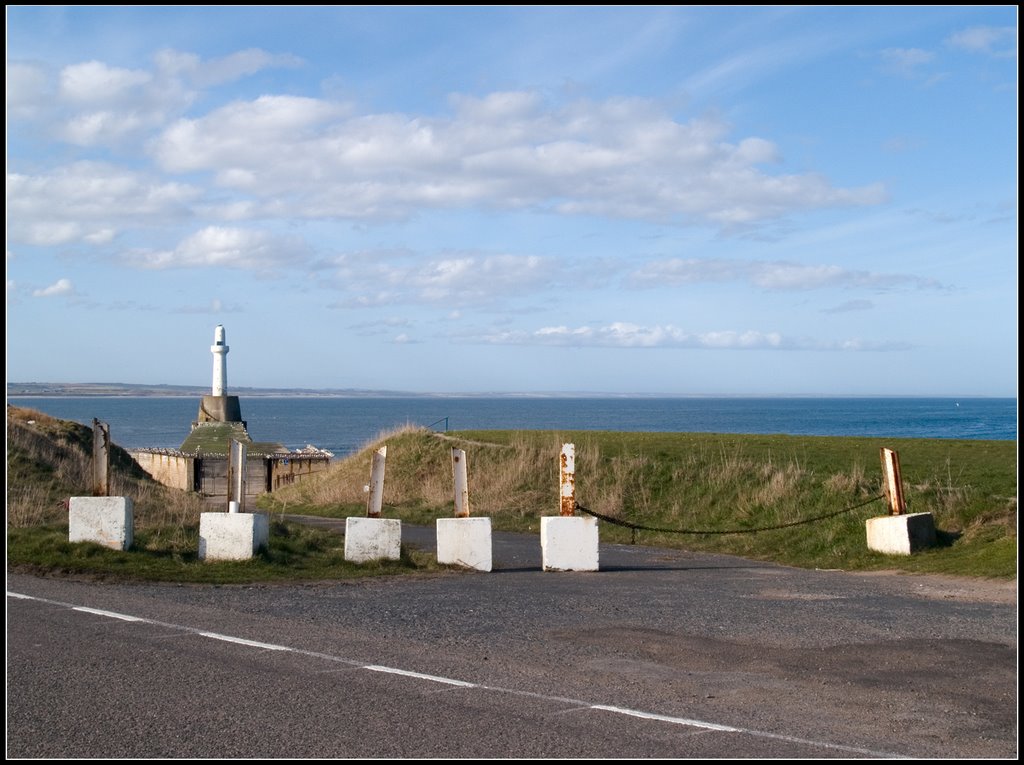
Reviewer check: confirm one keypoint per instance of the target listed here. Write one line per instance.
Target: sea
(344, 425)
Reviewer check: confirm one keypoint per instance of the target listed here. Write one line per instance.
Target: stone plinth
(369, 539)
(901, 534)
(569, 543)
(464, 542)
(232, 536)
(107, 521)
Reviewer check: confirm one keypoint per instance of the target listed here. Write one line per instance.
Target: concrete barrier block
(901, 534)
(369, 539)
(569, 543)
(232, 536)
(108, 521)
(464, 542)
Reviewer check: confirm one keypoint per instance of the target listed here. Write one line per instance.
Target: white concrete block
(368, 539)
(569, 543)
(232, 536)
(464, 542)
(901, 534)
(108, 521)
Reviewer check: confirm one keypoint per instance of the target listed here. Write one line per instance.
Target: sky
(671, 200)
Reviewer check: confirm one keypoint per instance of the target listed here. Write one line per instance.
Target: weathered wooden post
(374, 538)
(459, 471)
(568, 542)
(892, 481)
(236, 534)
(567, 480)
(375, 501)
(463, 541)
(100, 459)
(237, 476)
(898, 532)
(101, 518)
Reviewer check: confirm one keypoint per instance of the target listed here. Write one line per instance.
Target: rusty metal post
(459, 470)
(567, 479)
(892, 482)
(100, 459)
(236, 476)
(376, 498)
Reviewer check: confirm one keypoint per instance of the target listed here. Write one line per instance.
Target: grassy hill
(800, 501)
(49, 460)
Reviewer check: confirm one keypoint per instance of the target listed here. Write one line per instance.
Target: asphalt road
(660, 654)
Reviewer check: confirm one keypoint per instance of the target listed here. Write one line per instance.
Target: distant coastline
(131, 390)
(41, 390)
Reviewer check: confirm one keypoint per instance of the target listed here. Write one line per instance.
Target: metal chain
(637, 527)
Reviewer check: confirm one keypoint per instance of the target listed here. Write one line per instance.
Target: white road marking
(704, 725)
(243, 641)
(111, 614)
(419, 676)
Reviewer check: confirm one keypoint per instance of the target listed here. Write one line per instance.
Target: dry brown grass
(49, 461)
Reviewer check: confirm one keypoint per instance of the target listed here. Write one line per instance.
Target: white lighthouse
(219, 406)
(220, 362)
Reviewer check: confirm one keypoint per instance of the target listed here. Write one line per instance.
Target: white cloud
(905, 61)
(239, 139)
(93, 82)
(101, 236)
(302, 157)
(771, 275)
(215, 306)
(626, 335)
(850, 305)
(96, 128)
(92, 103)
(995, 41)
(90, 202)
(28, 89)
(217, 71)
(221, 247)
(457, 280)
(58, 288)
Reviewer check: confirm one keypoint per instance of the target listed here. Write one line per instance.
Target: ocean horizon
(343, 424)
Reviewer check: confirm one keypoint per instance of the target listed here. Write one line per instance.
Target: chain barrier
(636, 527)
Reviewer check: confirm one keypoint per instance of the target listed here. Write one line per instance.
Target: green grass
(799, 501)
(49, 460)
(737, 488)
(295, 553)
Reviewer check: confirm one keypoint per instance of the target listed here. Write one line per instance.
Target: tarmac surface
(660, 653)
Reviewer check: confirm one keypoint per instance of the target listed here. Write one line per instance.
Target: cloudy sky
(675, 200)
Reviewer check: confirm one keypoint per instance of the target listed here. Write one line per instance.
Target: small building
(200, 464)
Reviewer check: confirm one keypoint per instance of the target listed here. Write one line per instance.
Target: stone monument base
(369, 539)
(232, 536)
(569, 543)
(901, 534)
(464, 542)
(107, 521)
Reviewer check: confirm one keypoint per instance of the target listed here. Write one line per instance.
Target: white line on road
(111, 614)
(243, 641)
(419, 676)
(463, 684)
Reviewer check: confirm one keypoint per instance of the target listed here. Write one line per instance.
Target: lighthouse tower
(220, 362)
(219, 406)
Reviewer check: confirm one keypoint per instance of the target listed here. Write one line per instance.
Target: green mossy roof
(215, 438)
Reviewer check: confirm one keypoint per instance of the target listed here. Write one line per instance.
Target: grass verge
(747, 495)
(800, 501)
(295, 553)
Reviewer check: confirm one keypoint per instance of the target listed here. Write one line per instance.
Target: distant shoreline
(127, 390)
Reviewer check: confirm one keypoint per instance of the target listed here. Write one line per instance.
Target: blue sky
(670, 200)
